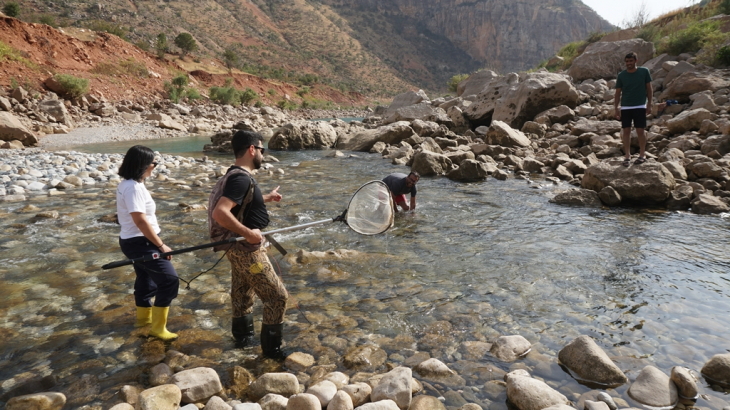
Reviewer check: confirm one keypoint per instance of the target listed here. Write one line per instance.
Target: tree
(161, 45)
(230, 58)
(11, 9)
(186, 43)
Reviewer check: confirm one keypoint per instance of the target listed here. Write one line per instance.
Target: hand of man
(648, 109)
(254, 236)
(274, 195)
(618, 114)
(164, 249)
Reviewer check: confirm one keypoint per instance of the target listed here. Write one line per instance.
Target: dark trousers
(156, 278)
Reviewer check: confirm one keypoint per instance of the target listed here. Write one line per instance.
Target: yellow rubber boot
(159, 323)
(144, 316)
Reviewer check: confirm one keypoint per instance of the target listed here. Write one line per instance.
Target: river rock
(649, 183)
(705, 169)
(303, 401)
(606, 398)
(395, 385)
(690, 82)
(324, 391)
(653, 388)
(57, 111)
(358, 392)
(606, 59)
(433, 367)
(365, 140)
(298, 361)
(12, 129)
(559, 407)
(341, 401)
(556, 115)
(39, 401)
(584, 126)
(475, 83)
(481, 111)
(428, 163)
(680, 198)
(535, 94)
(676, 169)
(685, 381)
(609, 196)
(160, 374)
(123, 406)
(298, 135)
(404, 100)
(579, 197)
(242, 406)
(273, 402)
(717, 369)
(424, 402)
(284, 384)
(510, 348)
(422, 111)
(171, 125)
(590, 363)
(197, 384)
(165, 397)
(469, 170)
(688, 121)
(706, 204)
(527, 393)
(596, 405)
(216, 403)
(379, 405)
(502, 134)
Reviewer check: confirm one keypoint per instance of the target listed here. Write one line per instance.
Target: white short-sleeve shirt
(133, 196)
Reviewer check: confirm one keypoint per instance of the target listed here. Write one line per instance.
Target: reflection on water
(475, 261)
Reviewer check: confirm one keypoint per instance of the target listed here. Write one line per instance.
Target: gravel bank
(104, 133)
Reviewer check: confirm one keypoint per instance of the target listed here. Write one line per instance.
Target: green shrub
(285, 104)
(98, 25)
(11, 9)
(711, 46)
(650, 33)
(225, 95)
(143, 45)
(303, 91)
(193, 94)
(570, 51)
(258, 104)
(248, 95)
(724, 7)
(72, 86)
(230, 58)
(595, 37)
(186, 43)
(161, 45)
(271, 91)
(689, 40)
(135, 68)
(176, 89)
(454, 81)
(723, 55)
(48, 20)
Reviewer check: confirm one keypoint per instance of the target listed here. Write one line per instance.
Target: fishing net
(371, 209)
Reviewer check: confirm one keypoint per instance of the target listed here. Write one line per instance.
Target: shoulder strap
(247, 199)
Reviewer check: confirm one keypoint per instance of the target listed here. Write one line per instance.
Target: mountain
(375, 47)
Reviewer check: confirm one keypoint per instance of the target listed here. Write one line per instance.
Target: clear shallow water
(474, 262)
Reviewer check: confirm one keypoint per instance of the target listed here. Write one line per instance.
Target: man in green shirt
(633, 90)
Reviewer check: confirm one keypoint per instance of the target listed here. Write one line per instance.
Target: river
(473, 262)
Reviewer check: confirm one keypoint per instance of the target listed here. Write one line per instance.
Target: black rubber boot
(242, 329)
(271, 341)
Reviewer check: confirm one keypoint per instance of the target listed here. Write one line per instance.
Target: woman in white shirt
(139, 237)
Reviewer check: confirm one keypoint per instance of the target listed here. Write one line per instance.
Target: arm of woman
(144, 226)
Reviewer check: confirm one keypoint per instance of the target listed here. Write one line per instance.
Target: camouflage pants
(252, 273)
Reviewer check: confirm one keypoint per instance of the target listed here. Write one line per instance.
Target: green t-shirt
(633, 86)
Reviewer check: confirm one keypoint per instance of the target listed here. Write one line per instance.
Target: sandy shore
(94, 135)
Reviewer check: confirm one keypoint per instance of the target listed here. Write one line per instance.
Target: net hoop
(371, 210)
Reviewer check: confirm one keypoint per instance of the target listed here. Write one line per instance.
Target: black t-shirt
(397, 184)
(255, 216)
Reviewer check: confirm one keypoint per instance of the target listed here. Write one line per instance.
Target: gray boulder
(717, 369)
(649, 183)
(365, 140)
(404, 100)
(396, 386)
(527, 393)
(57, 111)
(469, 170)
(283, 384)
(584, 125)
(606, 59)
(510, 348)
(590, 363)
(685, 381)
(609, 196)
(688, 121)
(481, 110)
(706, 204)
(653, 388)
(691, 82)
(475, 83)
(579, 197)
(429, 163)
(298, 135)
(556, 115)
(12, 129)
(197, 384)
(165, 397)
(502, 134)
(423, 111)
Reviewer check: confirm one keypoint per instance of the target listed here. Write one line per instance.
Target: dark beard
(257, 161)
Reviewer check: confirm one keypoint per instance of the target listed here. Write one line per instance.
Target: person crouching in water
(139, 237)
(237, 208)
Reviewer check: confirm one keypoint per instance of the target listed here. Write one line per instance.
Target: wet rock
(40, 401)
(129, 394)
(609, 196)
(165, 397)
(379, 405)
(579, 197)
(606, 398)
(395, 385)
(358, 392)
(469, 170)
(298, 135)
(303, 401)
(324, 391)
(590, 363)
(706, 204)
(527, 393)
(284, 384)
(160, 374)
(429, 163)
(510, 348)
(595, 405)
(433, 367)
(717, 369)
(685, 381)
(273, 402)
(502, 134)
(298, 362)
(653, 388)
(649, 183)
(47, 215)
(341, 401)
(197, 384)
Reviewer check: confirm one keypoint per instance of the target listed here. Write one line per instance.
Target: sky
(618, 11)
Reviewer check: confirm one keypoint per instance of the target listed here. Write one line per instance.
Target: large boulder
(429, 163)
(481, 110)
(298, 135)
(590, 363)
(404, 100)
(606, 59)
(717, 369)
(284, 384)
(475, 83)
(706, 204)
(57, 111)
(502, 134)
(688, 121)
(12, 129)
(197, 384)
(584, 125)
(648, 183)
(469, 170)
(365, 140)
(556, 115)
(422, 111)
(578, 197)
(537, 93)
(692, 82)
